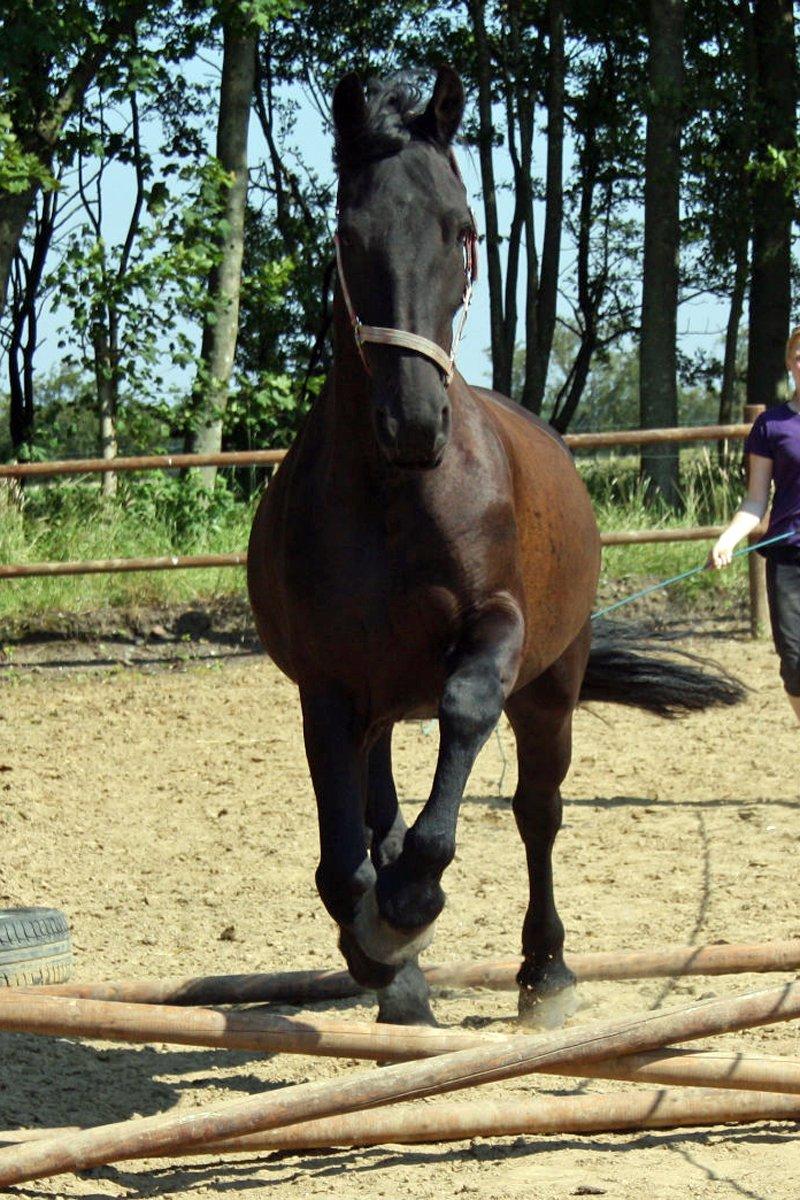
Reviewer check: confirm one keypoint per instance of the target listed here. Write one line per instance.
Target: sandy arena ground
(168, 811)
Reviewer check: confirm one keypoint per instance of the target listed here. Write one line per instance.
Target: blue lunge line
(654, 587)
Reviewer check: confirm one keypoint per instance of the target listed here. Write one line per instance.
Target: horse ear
(349, 106)
(442, 117)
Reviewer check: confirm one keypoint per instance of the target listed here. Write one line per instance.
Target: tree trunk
(220, 333)
(494, 271)
(658, 352)
(14, 211)
(23, 325)
(106, 382)
(542, 301)
(773, 202)
(727, 391)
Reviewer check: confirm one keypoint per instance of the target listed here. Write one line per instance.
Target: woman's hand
(750, 513)
(721, 552)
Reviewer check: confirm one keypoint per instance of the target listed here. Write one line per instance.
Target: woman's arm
(750, 512)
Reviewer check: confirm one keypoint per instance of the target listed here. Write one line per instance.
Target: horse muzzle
(413, 444)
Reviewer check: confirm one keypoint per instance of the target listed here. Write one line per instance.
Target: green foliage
(152, 515)
(268, 413)
(162, 287)
(20, 170)
(611, 395)
(709, 496)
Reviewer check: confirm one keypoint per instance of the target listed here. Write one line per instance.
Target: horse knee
(471, 704)
(428, 851)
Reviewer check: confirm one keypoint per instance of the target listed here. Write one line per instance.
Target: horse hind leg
(541, 717)
(406, 1000)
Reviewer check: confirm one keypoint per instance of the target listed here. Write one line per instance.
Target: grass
(709, 495)
(150, 517)
(155, 515)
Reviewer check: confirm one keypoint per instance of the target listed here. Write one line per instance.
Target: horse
(428, 549)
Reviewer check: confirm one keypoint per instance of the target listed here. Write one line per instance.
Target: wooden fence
(576, 441)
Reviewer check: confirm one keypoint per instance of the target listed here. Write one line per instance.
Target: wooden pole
(405, 1081)
(756, 567)
(267, 1033)
(457, 1121)
(170, 562)
(113, 566)
(241, 458)
(300, 987)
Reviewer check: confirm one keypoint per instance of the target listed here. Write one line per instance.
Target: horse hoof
(365, 970)
(549, 1010)
(380, 940)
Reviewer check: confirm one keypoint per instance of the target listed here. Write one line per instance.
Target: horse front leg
(395, 919)
(406, 1000)
(335, 751)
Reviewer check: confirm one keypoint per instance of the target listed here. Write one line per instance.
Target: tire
(35, 947)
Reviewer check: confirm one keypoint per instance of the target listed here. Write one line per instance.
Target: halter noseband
(384, 336)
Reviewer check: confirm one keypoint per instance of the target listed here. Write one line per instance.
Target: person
(773, 456)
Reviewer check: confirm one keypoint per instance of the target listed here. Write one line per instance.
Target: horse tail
(628, 665)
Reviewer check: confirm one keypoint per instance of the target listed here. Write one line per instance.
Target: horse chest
(381, 604)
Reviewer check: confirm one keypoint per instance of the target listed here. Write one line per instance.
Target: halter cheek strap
(383, 336)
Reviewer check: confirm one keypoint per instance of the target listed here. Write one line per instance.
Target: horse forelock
(393, 109)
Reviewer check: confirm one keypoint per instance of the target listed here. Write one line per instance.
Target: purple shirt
(776, 435)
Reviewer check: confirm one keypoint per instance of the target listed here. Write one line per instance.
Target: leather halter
(383, 336)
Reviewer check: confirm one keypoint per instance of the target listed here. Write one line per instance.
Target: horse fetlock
(426, 854)
(384, 941)
(409, 905)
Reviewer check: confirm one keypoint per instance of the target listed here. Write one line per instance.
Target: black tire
(35, 947)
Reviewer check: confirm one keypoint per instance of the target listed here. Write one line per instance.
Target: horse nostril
(387, 427)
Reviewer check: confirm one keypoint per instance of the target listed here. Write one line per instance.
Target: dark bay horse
(427, 549)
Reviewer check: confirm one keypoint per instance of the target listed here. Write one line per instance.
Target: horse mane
(393, 109)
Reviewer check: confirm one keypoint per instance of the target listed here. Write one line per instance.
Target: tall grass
(151, 516)
(155, 515)
(710, 494)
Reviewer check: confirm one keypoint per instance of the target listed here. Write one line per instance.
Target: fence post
(756, 567)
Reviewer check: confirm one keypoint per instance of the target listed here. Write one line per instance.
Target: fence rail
(576, 441)
(244, 458)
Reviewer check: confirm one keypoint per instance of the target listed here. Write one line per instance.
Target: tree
(717, 151)
(510, 50)
(602, 191)
(224, 284)
(50, 54)
(774, 177)
(658, 370)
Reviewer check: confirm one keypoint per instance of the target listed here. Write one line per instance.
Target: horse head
(405, 250)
